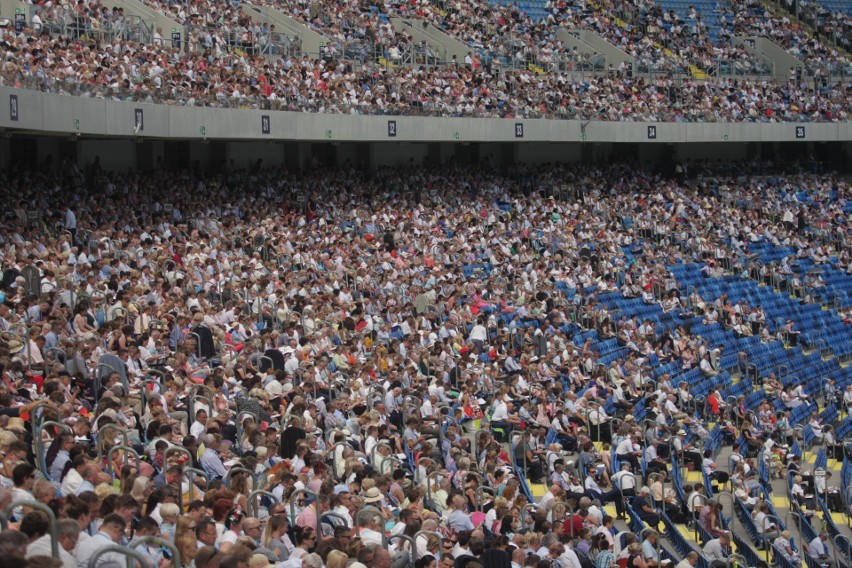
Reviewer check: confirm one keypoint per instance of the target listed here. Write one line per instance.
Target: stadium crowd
(396, 350)
(751, 18)
(151, 73)
(517, 66)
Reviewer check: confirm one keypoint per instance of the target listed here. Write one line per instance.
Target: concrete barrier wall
(24, 110)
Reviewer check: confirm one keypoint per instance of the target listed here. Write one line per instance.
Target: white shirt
(591, 484)
(71, 483)
(88, 548)
(624, 447)
(546, 499)
(501, 412)
(569, 559)
(597, 416)
(197, 429)
(816, 548)
(369, 536)
(228, 536)
(479, 333)
(41, 547)
(274, 388)
(625, 480)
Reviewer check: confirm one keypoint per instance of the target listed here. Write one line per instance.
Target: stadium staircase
(834, 5)
(792, 364)
(697, 73)
(709, 10)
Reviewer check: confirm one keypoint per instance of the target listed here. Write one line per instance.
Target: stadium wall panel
(57, 114)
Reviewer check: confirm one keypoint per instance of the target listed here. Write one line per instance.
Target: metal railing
(53, 528)
(130, 553)
(371, 512)
(159, 542)
(253, 507)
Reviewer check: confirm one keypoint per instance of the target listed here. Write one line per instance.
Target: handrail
(50, 353)
(847, 553)
(41, 456)
(309, 493)
(477, 495)
(524, 514)
(125, 439)
(98, 377)
(647, 530)
(191, 473)
(331, 433)
(127, 450)
(437, 473)
(848, 507)
(143, 560)
(143, 388)
(416, 414)
(241, 417)
(375, 449)
(195, 388)
(431, 533)
(617, 484)
(176, 450)
(52, 526)
(197, 339)
(373, 513)
(337, 516)
(730, 496)
(797, 518)
(191, 407)
(237, 469)
(387, 462)
(777, 524)
(252, 498)
(176, 559)
(411, 542)
(334, 473)
(691, 505)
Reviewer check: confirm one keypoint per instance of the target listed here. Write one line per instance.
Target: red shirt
(577, 521)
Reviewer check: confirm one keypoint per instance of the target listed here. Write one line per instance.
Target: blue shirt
(460, 521)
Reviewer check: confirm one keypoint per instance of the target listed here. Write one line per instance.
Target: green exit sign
(456, 135)
(202, 130)
(328, 134)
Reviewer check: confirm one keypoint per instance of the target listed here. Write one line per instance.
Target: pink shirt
(307, 519)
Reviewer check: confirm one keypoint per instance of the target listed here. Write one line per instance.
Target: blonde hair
(336, 559)
(186, 541)
(104, 490)
(169, 510)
